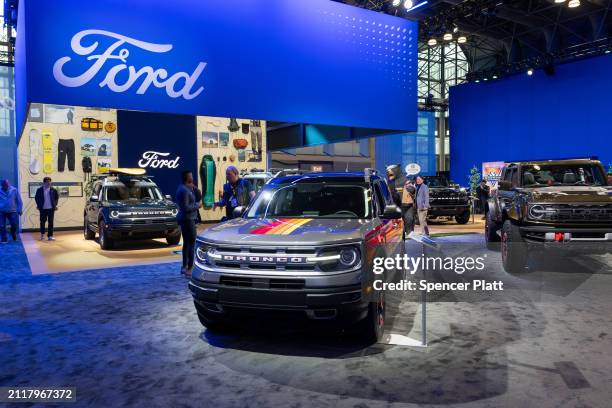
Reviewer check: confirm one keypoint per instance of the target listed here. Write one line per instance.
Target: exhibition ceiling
(503, 37)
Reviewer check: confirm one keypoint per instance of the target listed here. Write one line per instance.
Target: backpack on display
(233, 125)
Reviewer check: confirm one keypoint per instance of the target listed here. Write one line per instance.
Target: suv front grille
(291, 284)
(578, 212)
(453, 199)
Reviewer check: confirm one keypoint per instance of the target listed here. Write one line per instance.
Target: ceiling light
(556, 1)
(432, 42)
(573, 3)
(397, 2)
(462, 39)
(530, 72)
(408, 4)
(447, 37)
(494, 76)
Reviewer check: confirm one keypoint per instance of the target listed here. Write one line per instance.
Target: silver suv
(303, 248)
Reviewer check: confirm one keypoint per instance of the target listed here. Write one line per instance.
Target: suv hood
(286, 231)
(570, 194)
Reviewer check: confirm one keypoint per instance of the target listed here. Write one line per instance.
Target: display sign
(314, 61)
(64, 189)
(491, 172)
(163, 145)
(412, 169)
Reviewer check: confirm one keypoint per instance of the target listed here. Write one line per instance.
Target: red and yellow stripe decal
(281, 226)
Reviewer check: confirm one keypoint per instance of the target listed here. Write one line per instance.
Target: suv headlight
(201, 252)
(349, 257)
(174, 212)
(114, 214)
(539, 211)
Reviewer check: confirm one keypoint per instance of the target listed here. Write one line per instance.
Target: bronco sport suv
(554, 204)
(303, 247)
(124, 206)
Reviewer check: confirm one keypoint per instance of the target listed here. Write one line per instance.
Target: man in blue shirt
(237, 192)
(11, 208)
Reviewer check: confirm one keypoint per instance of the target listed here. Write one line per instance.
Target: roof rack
(289, 172)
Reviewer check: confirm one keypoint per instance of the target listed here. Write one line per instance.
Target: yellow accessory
(47, 142)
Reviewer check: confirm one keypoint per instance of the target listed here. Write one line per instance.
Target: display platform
(71, 253)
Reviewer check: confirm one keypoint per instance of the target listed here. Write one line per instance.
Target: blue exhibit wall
(8, 144)
(141, 132)
(406, 148)
(568, 114)
(279, 60)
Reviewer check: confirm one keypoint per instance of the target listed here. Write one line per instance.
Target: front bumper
(143, 229)
(344, 304)
(447, 210)
(589, 240)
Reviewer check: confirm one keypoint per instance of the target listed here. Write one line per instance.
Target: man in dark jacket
(46, 199)
(483, 193)
(237, 192)
(187, 217)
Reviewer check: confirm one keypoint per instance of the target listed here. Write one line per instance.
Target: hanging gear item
(87, 167)
(35, 151)
(240, 143)
(47, 143)
(245, 128)
(208, 174)
(110, 127)
(233, 125)
(91, 124)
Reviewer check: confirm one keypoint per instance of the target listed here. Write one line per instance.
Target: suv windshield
(132, 192)
(435, 182)
(562, 175)
(312, 200)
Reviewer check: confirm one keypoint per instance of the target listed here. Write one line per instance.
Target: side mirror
(238, 211)
(504, 185)
(391, 212)
(94, 199)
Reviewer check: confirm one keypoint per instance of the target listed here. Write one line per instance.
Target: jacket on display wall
(208, 174)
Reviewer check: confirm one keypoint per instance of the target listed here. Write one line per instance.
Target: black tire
(372, 328)
(463, 218)
(513, 249)
(88, 234)
(173, 239)
(491, 228)
(106, 242)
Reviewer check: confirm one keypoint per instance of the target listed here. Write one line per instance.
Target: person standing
(407, 205)
(422, 203)
(483, 193)
(11, 208)
(46, 199)
(186, 218)
(237, 192)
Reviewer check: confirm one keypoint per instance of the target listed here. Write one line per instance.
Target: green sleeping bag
(208, 173)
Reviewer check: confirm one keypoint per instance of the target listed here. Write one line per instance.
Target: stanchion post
(424, 308)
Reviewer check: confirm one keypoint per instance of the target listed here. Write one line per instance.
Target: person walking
(407, 206)
(237, 192)
(46, 199)
(11, 208)
(186, 218)
(422, 203)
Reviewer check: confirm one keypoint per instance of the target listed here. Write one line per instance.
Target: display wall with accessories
(224, 142)
(68, 144)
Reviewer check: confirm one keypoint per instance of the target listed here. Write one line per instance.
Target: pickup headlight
(539, 211)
